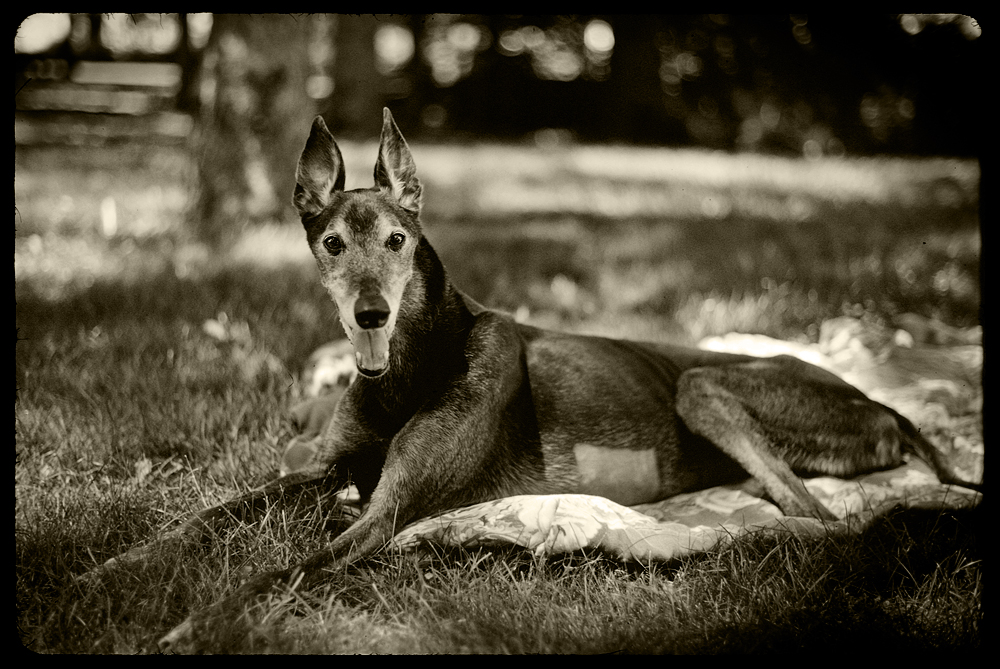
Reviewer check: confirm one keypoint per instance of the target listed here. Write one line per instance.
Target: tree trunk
(255, 116)
(358, 89)
(636, 109)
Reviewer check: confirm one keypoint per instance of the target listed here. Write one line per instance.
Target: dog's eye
(396, 241)
(333, 244)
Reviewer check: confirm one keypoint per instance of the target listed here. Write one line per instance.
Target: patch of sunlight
(624, 181)
(272, 245)
(870, 179)
(54, 265)
(763, 346)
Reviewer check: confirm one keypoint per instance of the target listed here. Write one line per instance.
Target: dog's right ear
(395, 171)
(320, 171)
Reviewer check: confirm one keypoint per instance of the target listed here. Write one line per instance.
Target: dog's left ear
(320, 171)
(395, 170)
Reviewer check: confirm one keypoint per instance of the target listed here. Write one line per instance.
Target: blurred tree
(91, 28)
(254, 114)
(420, 94)
(187, 96)
(359, 93)
(634, 93)
(829, 84)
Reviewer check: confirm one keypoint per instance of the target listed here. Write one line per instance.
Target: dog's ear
(395, 170)
(320, 171)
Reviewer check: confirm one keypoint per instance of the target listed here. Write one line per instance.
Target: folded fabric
(692, 522)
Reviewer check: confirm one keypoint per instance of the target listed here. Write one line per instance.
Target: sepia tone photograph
(498, 334)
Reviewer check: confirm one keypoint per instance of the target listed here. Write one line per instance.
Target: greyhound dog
(455, 404)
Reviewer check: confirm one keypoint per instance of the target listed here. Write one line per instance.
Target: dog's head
(364, 240)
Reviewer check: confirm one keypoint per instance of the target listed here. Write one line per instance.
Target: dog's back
(605, 412)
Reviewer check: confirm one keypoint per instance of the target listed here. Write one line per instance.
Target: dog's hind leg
(779, 416)
(201, 526)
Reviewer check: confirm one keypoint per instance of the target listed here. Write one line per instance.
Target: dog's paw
(179, 641)
(810, 507)
(823, 513)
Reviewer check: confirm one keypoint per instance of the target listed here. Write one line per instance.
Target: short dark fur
(472, 406)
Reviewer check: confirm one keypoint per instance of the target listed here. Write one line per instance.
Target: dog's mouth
(371, 351)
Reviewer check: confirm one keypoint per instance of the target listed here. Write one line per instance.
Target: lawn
(130, 412)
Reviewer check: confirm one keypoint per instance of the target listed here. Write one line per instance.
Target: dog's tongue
(371, 350)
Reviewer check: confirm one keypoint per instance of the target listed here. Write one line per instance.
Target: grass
(130, 413)
(911, 583)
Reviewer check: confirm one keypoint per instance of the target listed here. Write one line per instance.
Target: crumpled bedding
(684, 524)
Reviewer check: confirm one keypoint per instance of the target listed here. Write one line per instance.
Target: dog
(455, 404)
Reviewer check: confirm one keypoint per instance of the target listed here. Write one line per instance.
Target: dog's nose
(371, 311)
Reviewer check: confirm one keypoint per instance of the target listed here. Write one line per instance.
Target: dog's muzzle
(371, 338)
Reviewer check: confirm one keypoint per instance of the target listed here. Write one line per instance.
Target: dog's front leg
(435, 463)
(453, 452)
(198, 527)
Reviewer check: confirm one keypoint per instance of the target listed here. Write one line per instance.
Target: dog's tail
(917, 444)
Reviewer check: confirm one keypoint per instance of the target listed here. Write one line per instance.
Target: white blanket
(699, 521)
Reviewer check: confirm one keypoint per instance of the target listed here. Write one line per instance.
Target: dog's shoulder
(474, 307)
(494, 334)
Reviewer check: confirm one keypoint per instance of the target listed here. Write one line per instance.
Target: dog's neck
(428, 344)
